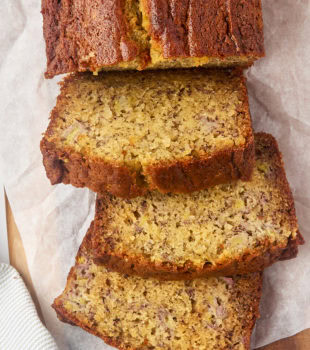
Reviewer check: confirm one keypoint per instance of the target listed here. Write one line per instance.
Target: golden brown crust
(249, 311)
(214, 28)
(179, 176)
(95, 174)
(268, 142)
(197, 174)
(248, 261)
(245, 263)
(80, 37)
(95, 34)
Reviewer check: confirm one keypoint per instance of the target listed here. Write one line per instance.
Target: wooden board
(300, 341)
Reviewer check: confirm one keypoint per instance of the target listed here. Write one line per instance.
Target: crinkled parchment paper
(53, 219)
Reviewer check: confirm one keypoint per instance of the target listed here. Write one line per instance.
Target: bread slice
(130, 312)
(140, 34)
(131, 132)
(229, 229)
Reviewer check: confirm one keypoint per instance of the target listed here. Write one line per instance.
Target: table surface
(300, 341)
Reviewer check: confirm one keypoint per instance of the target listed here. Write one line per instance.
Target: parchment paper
(53, 219)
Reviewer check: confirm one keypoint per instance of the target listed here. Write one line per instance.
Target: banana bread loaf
(130, 312)
(130, 132)
(228, 229)
(138, 34)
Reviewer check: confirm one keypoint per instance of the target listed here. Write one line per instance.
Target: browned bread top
(137, 34)
(228, 229)
(130, 132)
(82, 35)
(132, 313)
(214, 28)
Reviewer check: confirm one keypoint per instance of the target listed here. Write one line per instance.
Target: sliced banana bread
(138, 34)
(229, 229)
(130, 312)
(130, 132)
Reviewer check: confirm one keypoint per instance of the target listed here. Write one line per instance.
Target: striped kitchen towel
(20, 326)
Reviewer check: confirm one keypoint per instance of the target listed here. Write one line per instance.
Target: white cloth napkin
(20, 326)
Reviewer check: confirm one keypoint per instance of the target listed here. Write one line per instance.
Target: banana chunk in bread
(93, 35)
(130, 312)
(130, 132)
(228, 229)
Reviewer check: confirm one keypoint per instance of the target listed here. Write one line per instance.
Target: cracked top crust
(205, 28)
(139, 34)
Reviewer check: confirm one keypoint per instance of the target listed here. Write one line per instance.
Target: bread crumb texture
(206, 228)
(146, 34)
(142, 119)
(133, 313)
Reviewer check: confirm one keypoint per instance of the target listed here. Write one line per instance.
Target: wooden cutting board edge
(300, 341)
